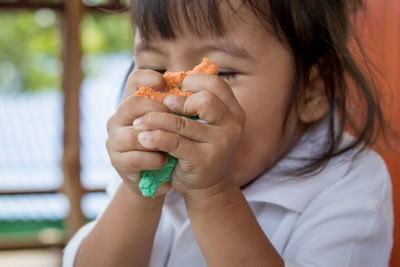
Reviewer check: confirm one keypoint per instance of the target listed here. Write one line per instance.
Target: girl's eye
(162, 71)
(227, 75)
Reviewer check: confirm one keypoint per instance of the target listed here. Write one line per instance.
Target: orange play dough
(158, 95)
(174, 79)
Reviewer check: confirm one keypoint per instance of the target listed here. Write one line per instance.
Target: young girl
(268, 177)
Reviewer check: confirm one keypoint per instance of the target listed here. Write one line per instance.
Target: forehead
(245, 42)
(157, 19)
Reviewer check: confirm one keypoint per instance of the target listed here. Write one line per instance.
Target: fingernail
(137, 123)
(144, 139)
(170, 101)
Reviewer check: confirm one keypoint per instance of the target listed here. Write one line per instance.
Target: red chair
(379, 29)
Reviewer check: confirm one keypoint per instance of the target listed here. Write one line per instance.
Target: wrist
(205, 198)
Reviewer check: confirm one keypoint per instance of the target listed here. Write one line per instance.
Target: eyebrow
(146, 47)
(229, 48)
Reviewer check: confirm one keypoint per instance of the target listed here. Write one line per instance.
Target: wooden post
(73, 10)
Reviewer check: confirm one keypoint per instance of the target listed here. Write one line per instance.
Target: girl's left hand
(205, 148)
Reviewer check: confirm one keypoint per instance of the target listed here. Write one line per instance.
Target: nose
(183, 62)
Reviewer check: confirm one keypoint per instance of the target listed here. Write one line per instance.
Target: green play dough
(152, 179)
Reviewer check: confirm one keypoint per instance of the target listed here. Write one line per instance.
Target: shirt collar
(281, 187)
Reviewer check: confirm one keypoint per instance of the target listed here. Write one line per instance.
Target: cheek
(263, 141)
(258, 147)
(265, 113)
(262, 145)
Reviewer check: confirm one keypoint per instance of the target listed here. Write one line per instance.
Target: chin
(243, 176)
(246, 171)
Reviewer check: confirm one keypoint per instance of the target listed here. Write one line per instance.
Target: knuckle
(114, 162)
(131, 106)
(212, 156)
(149, 119)
(237, 124)
(139, 77)
(133, 139)
(124, 107)
(159, 160)
(108, 145)
(181, 124)
(134, 76)
(224, 142)
(132, 81)
(109, 124)
(207, 98)
(217, 81)
(156, 135)
(242, 118)
(131, 77)
(237, 131)
(177, 142)
(156, 138)
(133, 161)
(226, 137)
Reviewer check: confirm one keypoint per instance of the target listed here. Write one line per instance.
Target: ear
(313, 104)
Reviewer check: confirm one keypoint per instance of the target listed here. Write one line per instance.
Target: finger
(124, 139)
(136, 161)
(140, 78)
(169, 122)
(213, 83)
(205, 104)
(132, 108)
(176, 145)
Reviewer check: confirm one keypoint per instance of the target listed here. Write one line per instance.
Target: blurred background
(62, 64)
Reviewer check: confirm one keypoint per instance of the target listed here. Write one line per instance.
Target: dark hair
(317, 32)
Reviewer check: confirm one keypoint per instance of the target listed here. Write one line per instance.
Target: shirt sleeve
(349, 224)
(73, 245)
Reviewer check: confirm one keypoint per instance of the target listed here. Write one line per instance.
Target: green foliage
(31, 46)
(106, 33)
(24, 49)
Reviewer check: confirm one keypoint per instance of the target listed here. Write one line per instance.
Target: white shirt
(341, 216)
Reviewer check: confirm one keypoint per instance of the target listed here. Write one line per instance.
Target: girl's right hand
(127, 156)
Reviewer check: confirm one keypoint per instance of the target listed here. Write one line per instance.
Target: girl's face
(260, 72)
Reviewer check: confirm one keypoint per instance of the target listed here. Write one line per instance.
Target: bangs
(167, 19)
